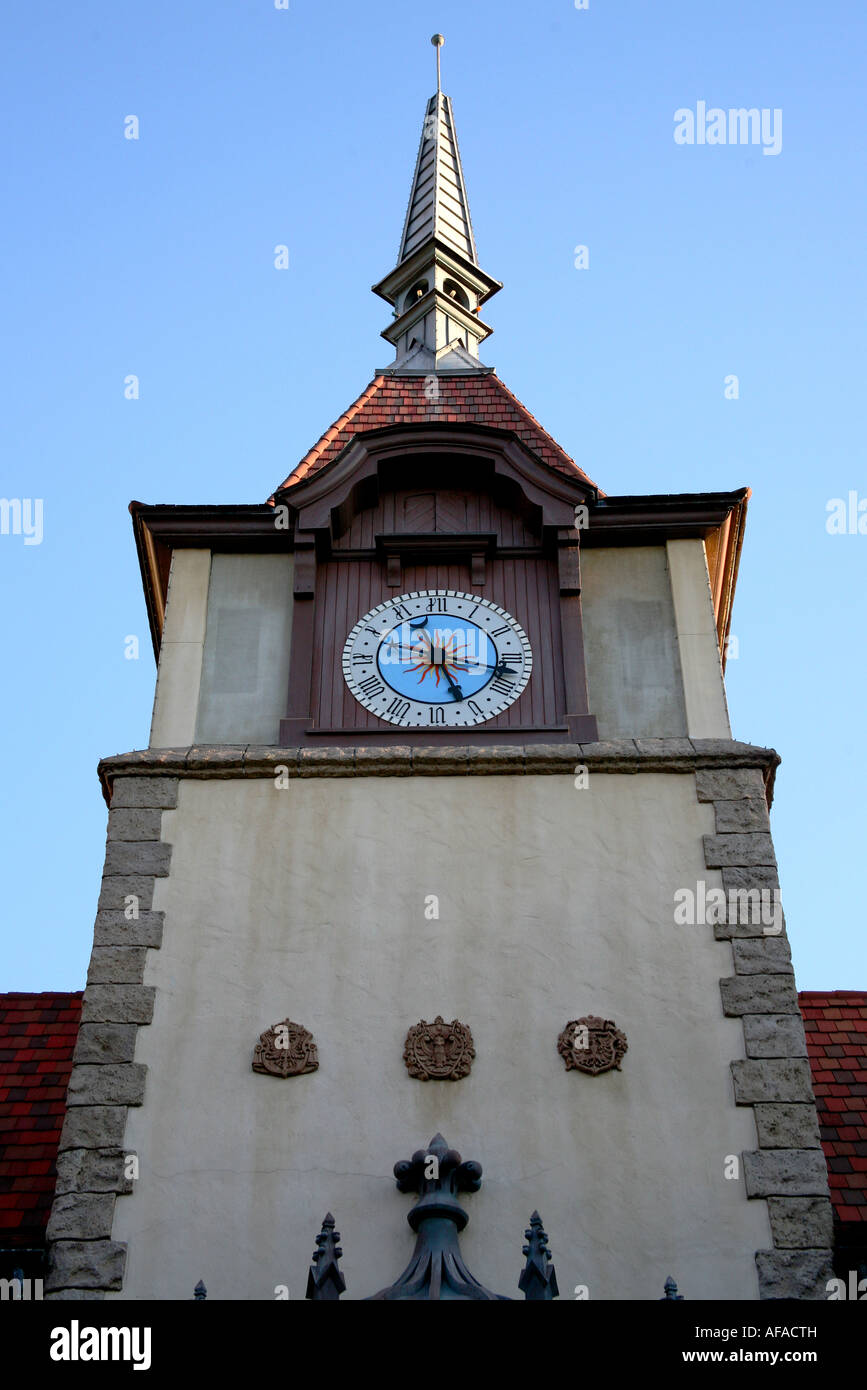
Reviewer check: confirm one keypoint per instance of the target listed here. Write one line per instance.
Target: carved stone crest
(592, 1045)
(439, 1051)
(285, 1049)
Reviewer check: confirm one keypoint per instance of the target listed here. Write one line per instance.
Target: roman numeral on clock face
(498, 631)
(503, 684)
(398, 708)
(372, 686)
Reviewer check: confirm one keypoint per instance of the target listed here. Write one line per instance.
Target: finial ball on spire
(437, 40)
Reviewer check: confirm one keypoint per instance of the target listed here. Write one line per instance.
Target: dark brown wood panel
(526, 586)
(444, 511)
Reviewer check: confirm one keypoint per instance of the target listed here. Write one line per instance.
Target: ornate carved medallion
(439, 1051)
(285, 1049)
(592, 1045)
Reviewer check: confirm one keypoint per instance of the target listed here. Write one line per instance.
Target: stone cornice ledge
(535, 759)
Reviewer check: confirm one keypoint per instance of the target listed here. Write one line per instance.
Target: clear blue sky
(261, 126)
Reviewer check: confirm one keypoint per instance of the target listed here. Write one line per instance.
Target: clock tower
(441, 831)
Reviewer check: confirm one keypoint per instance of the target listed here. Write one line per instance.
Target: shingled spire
(438, 203)
(437, 287)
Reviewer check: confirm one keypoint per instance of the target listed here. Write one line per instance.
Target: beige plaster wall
(703, 687)
(554, 902)
(180, 666)
(633, 671)
(245, 666)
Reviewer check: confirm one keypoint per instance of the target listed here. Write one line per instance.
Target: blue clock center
(436, 660)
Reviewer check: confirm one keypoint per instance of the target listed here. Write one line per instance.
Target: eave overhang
(161, 529)
(717, 518)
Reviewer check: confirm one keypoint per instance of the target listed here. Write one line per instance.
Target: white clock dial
(437, 658)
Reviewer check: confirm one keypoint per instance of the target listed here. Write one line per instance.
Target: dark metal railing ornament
(325, 1283)
(538, 1281)
(437, 1269)
(671, 1291)
(200, 1292)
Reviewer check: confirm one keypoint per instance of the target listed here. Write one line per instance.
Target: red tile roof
(37, 1038)
(836, 1028)
(474, 398)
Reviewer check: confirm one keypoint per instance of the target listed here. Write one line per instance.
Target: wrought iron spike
(538, 1281)
(671, 1291)
(325, 1283)
(200, 1292)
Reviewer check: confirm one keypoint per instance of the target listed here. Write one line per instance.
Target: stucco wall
(703, 686)
(633, 672)
(245, 668)
(554, 902)
(180, 665)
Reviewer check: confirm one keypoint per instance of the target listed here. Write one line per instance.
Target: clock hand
(455, 691)
(499, 667)
(399, 646)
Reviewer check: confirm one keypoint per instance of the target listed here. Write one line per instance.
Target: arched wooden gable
(442, 507)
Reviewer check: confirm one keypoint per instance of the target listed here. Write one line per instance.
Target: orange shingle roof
(474, 398)
(836, 1027)
(37, 1038)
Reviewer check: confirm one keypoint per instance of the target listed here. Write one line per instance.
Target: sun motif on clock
(436, 654)
(437, 657)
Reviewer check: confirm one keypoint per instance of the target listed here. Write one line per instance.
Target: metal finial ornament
(671, 1292)
(437, 1269)
(437, 40)
(325, 1283)
(538, 1281)
(200, 1292)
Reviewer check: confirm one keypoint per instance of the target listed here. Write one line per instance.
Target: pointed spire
(438, 202)
(437, 287)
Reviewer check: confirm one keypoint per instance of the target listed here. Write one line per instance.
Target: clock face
(437, 657)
